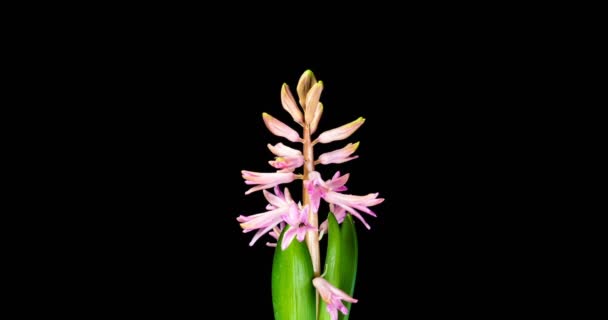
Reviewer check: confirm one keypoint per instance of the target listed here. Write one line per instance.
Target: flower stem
(312, 237)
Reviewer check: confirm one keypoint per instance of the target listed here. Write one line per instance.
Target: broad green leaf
(293, 295)
(341, 260)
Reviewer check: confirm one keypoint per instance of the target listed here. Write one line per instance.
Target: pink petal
(281, 150)
(289, 104)
(262, 220)
(356, 215)
(278, 192)
(288, 237)
(260, 233)
(280, 129)
(292, 216)
(367, 200)
(340, 133)
(301, 234)
(314, 194)
(287, 195)
(258, 188)
(338, 182)
(333, 313)
(338, 212)
(266, 180)
(340, 155)
(273, 199)
(322, 229)
(304, 215)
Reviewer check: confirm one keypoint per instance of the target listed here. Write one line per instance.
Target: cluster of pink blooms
(282, 210)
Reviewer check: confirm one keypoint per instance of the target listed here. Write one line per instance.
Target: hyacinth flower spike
(296, 277)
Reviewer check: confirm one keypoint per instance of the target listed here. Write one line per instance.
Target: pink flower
(297, 218)
(333, 297)
(352, 203)
(266, 180)
(330, 192)
(279, 204)
(340, 155)
(287, 159)
(317, 188)
(280, 129)
(340, 133)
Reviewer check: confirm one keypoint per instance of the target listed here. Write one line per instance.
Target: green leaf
(293, 295)
(341, 260)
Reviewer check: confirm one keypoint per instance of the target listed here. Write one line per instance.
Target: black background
(180, 120)
(138, 120)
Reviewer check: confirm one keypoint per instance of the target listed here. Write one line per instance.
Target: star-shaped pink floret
(330, 192)
(297, 218)
(279, 204)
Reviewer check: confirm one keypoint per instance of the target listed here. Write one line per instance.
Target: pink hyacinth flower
(280, 129)
(266, 180)
(298, 221)
(340, 155)
(352, 203)
(333, 297)
(279, 204)
(317, 188)
(281, 150)
(287, 159)
(330, 192)
(341, 132)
